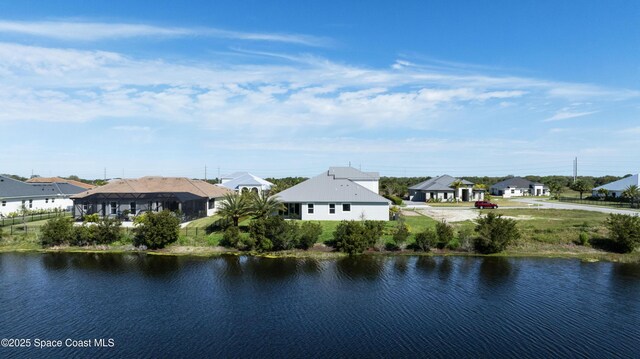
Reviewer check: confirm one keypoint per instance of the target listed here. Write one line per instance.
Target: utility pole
(575, 169)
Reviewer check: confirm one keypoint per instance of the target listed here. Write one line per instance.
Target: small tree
(581, 186)
(495, 233)
(556, 189)
(56, 231)
(456, 185)
(445, 234)
(632, 193)
(373, 231)
(309, 234)
(603, 192)
(401, 234)
(231, 237)
(234, 207)
(624, 232)
(350, 237)
(156, 230)
(426, 240)
(263, 206)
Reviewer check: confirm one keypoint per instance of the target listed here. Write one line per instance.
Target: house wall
(371, 211)
(370, 185)
(47, 203)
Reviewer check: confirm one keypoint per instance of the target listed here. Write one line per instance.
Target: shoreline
(207, 252)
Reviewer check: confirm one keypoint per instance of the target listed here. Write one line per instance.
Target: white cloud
(565, 115)
(94, 31)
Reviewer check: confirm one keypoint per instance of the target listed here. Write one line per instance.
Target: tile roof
(59, 180)
(153, 184)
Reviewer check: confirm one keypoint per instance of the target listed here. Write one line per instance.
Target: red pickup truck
(485, 204)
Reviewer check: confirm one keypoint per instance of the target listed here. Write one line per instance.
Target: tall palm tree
(262, 205)
(234, 207)
(632, 192)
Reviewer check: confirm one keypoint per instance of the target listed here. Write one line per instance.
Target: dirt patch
(448, 215)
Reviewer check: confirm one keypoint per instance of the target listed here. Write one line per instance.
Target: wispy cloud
(95, 31)
(565, 115)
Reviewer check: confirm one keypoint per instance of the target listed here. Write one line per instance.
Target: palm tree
(262, 205)
(603, 192)
(632, 192)
(234, 207)
(456, 185)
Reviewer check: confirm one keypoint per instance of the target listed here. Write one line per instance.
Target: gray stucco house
(517, 187)
(442, 188)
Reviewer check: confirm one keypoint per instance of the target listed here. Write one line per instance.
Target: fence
(598, 202)
(11, 221)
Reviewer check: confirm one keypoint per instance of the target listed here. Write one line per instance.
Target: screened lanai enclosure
(125, 199)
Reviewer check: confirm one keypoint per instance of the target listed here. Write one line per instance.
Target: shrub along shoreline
(614, 238)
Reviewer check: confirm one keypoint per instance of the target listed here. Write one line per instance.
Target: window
(446, 195)
(150, 206)
(30, 203)
(85, 207)
(46, 200)
(4, 203)
(332, 208)
(310, 208)
(212, 203)
(133, 208)
(346, 207)
(114, 208)
(53, 200)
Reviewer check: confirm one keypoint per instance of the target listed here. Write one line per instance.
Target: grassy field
(501, 202)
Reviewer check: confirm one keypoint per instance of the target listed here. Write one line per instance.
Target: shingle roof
(152, 184)
(440, 183)
(622, 184)
(515, 182)
(326, 188)
(11, 188)
(352, 174)
(59, 180)
(246, 179)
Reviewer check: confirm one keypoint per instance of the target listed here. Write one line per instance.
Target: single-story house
(443, 188)
(17, 195)
(59, 180)
(517, 187)
(245, 182)
(341, 193)
(194, 198)
(616, 188)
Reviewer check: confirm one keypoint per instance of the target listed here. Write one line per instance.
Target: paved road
(556, 205)
(529, 203)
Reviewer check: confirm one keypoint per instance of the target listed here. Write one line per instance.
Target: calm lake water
(162, 306)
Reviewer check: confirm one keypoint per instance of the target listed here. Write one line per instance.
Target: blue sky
(287, 88)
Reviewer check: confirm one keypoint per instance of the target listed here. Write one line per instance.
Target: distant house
(616, 188)
(194, 198)
(59, 180)
(518, 187)
(245, 182)
(341, 193)
(17, 195)
(442, 188)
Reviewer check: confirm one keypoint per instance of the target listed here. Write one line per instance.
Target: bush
(624, 232)
(106, 231)
(156, 230)
(374, 231)
(57, 231)
(453, 244)
(309, 234)
(82, 235)
(583, 239)
(91, 218)
(495, 233)
(350, 237)
(395, 199)
(445, 234)
(401, 234)
(274, 233)
(426, 240)
(231, 237)
(465, 238)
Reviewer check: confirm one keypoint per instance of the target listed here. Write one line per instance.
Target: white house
(442, 188)
(341, 193)
(245, 181)
(194, 198)
(617, 187)
(17, 195)
(518, 187)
